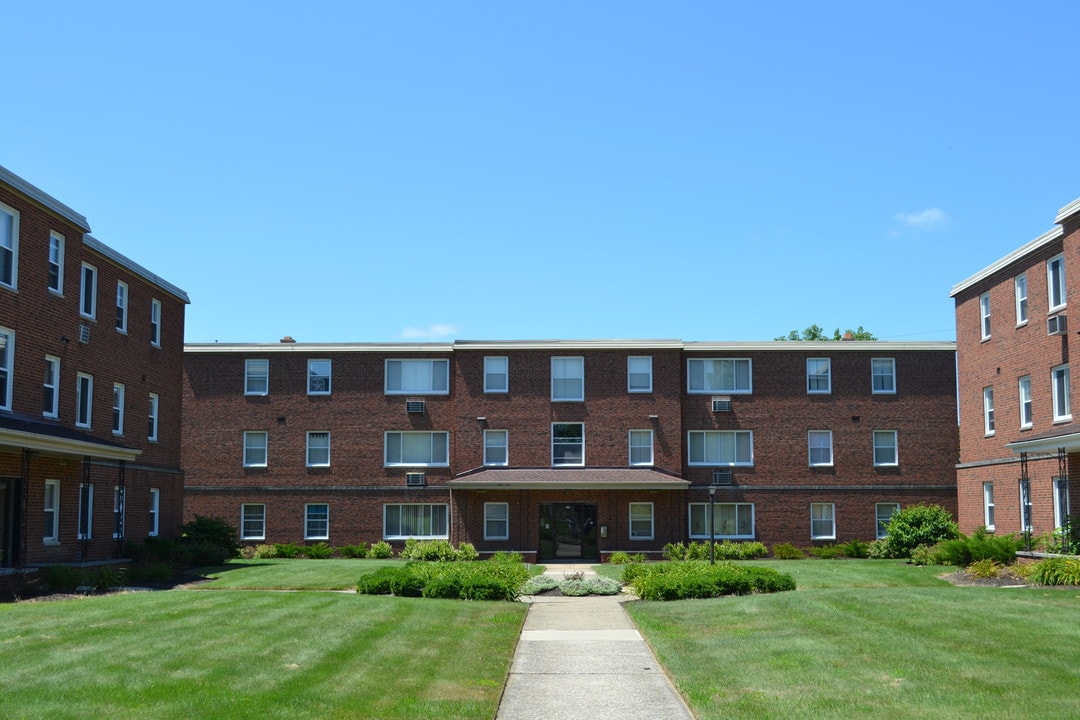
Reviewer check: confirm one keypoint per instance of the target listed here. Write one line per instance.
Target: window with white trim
(885, 450)
(1061, 501)
(256, 377)
(318, 373)
(317, 521)
(253, 521)
(50, 396)
(495, 447)
(416, 520)
(822, 521)
(117, 409)
(818, 376)
(121, 306)
(155, 323)
(639, 374)
(496, 374)
(641, 447)
(9, 246)
(568, 444)
(155, 511)
(1055, 282)
(984, 316)
(883, 376)
(318, 449)
(418, 377)
(1026, 413)
(152, 419)
(567, 379)
(88, 291)
(1021, 291)
(255, 445)
(84, 400)
(7, 366)
(720, 447)
(86, 511)
(56, 263)
(417, 449)
(988, 505)
(118, 512)
(496, 521)
(1025, 506)
(820, 446)
(730, 520)
(51, 513)
(726, 375)
(641, 521)
(883, 513)
(988, 411)
(1059, 380)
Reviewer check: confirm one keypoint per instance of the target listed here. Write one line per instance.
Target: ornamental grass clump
(1056, 571)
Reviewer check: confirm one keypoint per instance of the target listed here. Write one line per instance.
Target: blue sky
(359, 171)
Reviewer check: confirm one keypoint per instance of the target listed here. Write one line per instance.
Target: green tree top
(816, 332)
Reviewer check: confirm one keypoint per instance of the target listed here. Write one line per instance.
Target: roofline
(1068, 211)
(64, 446)
(127, 263)
(38, 195)
(1069, 441)
(1045, 239)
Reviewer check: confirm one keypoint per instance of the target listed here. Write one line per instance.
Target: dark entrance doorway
(568, 532)
(8, 522)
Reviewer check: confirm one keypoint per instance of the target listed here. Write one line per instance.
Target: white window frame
(11, 249)
(7, 367)
(417, 376)
(88, 291)
(988, 411)
(1027, 416)
(639, 374)
(119, 510)
(316, 519)
(567, 444)
(118, 409)
(316, 374)
(152, 417)
(430, 508)
(252, 523)
(121, 307)
(155, 512)
(645, 516)
(882, 524)
(400, 437)
(1027, 510)
(1061, 501)
(642, 442)
(702, 438)
(878, 371)
(568, 379)
(496, 521)
(56, 260)
(1021, 291)
(988, 505)
(1061, 391)
(820, 513)
(51, 388)
(311, 449)
(84, 400)
(1056, 293)
(697, 379)
(51, 513)
(984, 316)
(256, 370)
(496, 374)
(818, 376)
(738, 508)
(827, 446)
(894, 445)
(85, 527)
(491, 444)
(155, 323)
(253, 446)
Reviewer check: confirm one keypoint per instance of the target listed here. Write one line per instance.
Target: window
(255, 449)
(430, 377)
(256, 377)
(567, 378)
(56, 263)
(1061, 502)
(318, 377)
(1026, 416)
(415, 521)
(822, 521)
(988, 505)
(51, 512)
(730, 520)
(883, 375)
(1055, 282)
(152, 426)
(155, 323)
(1060, 382)
(50, 397)
(820, 444)
(1020, 284)
(718, 375)
(818, 375)
(641, 521)
(86, 511)
(496, 374)
(121, 306)
(984, 315)
(7, 366)
(117, 409)
(155, 509)
(252, 521)
(88, 294)
(317, 521)
(568, 444)
(641, 447)
(496, 521)
(84, 396)
(639, 374)
(417, 448)
(721, 447)
(495, 450)
(9, 246)
(318, 449)
(885, 447)
(118, 512)
(988, 410)
(883, 513)
(1025, 506)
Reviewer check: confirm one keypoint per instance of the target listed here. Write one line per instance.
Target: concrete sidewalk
(582, 657)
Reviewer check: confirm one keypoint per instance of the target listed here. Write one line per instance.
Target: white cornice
(62, 446)
(318, 347)
(40, 196)
(1067, 211)
(1012, 257)
(663, 344)
(821, 346)
(127, 263)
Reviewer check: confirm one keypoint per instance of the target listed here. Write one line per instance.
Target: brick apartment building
(91, 366)
(567, 449)
(1018, 440)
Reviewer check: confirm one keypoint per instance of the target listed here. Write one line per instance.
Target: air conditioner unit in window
(414, 406)
(84, 334)
(721, 404)
(1057, 325)
(721, 477)
(415, 479)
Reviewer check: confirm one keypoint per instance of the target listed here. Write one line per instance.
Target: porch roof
(1067, 437)
(20, 431)
(568, 479)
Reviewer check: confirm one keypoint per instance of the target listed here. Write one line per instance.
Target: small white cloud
(923, 219)
(431, 332)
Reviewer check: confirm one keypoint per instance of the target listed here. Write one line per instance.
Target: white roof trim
(820, 346)
(63, 446)
(1070, 442)
(39, 195)
(1067, 211)
(1012, 257)
(129, 264)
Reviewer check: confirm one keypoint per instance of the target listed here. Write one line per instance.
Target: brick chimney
(288, 339)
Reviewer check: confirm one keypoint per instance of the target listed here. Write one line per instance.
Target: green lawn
(330, 574)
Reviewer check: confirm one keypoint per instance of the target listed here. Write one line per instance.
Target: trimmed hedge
(686, 580)
(499, 580)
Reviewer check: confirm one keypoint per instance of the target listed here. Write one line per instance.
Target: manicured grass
(330, 574)
(872, 639)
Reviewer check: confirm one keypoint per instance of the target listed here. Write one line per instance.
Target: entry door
(568, 531)
(6, 529)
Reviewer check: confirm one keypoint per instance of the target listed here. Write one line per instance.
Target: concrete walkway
(582, 657)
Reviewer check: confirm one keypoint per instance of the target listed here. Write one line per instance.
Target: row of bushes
(496, 579)
(696, 579)
(726, 550)
(428, 550)
(964, 550)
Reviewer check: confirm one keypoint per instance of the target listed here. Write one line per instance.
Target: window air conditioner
(721, 477)
(84, 334)
(414, 406)
(415, 479)
(1057, 325)
(721, 404)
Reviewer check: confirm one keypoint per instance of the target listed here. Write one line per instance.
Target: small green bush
(539, 584)
(150, 572)
(318, 551)
(410, 580)
(963, 551)
(684, 580)
(265, 552)
(381, 551)
(1056, 571)
(855, 549)
(619, 557)
(378, 582)
(633, 571)
(827, 552)
(212, 531)
(61, 578)
(787, 551)
(287, 551)
(918, 525)
(986, 568)
(674, 551)
(507, 557)
(466, 552)
(353, 551)
(927, 555)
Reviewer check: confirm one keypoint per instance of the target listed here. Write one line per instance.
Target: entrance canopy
(1048, 442)
(568, 479)
(31, 434)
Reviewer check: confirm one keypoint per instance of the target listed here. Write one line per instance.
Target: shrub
(856, 549)
(410, 580)
(633, 571)
(213, 531)
(827, 552)
(918, 525)
(600, 585)
(318, 551)
(150, 572)
(507, 557)
(927, 555)
(381, 551)
(430, 550)
(876, 550)
(378, 582)
(353, 551)
(61, 578)
(201, 554)
(674, 551)
(678, 581)
(963, 551)
(466, 552)
(265, 552)
(287, 551)
(986, 568)
(729, 550)
(619, 557)
(539, 584)
(1056, 571)
(787, 551)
